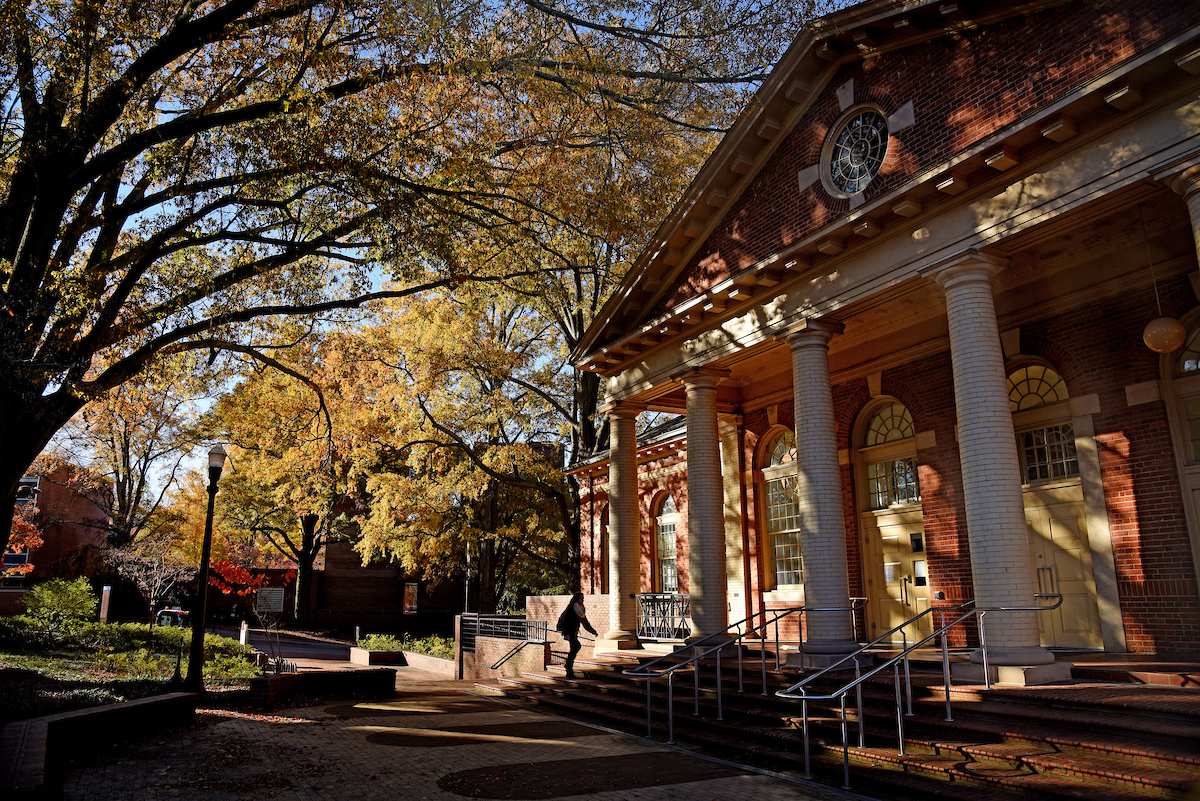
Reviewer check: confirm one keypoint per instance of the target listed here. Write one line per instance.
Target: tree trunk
(304, 570)
(27, 422)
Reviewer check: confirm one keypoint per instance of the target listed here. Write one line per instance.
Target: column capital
(811, 330)
(701, 377)
(1181, 174)
(967, 265)
(621, 408)
(1185, 183)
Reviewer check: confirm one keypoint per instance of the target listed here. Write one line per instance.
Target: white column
(1187, 184)
(624, 573)
(1000, 563)
(707, 583)
(819, 490)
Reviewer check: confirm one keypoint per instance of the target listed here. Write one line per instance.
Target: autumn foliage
(231, 578)
(25, 536)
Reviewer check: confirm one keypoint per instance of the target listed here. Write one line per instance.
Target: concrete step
(999, 742)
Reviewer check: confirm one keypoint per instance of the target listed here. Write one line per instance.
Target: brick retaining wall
(369, 683)
(32, 752)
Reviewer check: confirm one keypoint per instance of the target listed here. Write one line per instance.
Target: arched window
(1033, 386)
(892, 481)
(1188, 361)
(1187, 365)
(664, 546)
(1046, 452)
(783, 511)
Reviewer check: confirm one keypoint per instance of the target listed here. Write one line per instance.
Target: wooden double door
(897, 569)
(897, 572)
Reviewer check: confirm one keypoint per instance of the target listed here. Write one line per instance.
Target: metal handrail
(645, 672)
(894, 663)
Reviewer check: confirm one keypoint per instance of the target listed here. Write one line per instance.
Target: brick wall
(964, 87)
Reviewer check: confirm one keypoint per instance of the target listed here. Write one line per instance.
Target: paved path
(434, 742)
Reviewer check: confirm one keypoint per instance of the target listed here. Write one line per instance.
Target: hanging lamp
(1162, 334)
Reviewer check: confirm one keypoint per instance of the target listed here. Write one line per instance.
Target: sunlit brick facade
(928, 250)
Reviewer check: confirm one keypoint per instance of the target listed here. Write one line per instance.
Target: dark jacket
(569, 622)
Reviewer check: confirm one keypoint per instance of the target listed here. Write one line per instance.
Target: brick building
(73, 536)
(901, 310)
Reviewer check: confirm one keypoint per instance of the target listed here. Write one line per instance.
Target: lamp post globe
(195, 679)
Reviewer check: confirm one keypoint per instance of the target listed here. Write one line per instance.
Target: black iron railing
(500, 627)
(663, 615)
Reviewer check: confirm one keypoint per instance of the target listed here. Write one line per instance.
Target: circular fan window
(854, 151)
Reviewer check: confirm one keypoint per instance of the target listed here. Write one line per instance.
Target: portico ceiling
(1095, 254)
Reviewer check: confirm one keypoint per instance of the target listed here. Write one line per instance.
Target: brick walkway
(431, 742)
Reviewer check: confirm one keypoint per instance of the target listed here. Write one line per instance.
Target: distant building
(73, 537)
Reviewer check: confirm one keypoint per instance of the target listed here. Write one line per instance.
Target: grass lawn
(36, 684)
(97, 664)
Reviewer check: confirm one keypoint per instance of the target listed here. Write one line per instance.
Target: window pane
(1049, 453)
(788, 563)
(783, 523)
(893, 482)
(668, 571)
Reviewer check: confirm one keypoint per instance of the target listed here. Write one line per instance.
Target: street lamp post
(195, 679)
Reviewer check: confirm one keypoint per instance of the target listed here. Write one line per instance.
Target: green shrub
(59, 604)
(128, 637)
(139, 664)
(226, 669)
(22, 633)
(432, 645)
(381, 642)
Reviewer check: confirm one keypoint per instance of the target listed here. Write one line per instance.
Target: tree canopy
(172, 175)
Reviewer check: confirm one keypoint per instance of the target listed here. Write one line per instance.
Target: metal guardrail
(648, 671)
(500, 627)
(663, 615)
(964, 612)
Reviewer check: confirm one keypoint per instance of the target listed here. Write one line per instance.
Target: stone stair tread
(783, 747)
(1015, 780)
(1077, 715)
(968, 755)
(1087, 740)
(1182, 702)
(1050, 759)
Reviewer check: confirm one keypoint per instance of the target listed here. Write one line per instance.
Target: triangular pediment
(966, 92)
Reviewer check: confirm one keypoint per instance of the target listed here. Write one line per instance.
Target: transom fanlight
(892, 422)
(1033, 386)
(782, 449)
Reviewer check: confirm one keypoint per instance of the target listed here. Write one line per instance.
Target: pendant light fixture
(1162, 334)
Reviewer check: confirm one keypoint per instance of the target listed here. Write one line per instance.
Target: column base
(689, 648)
(1018, 675)
(617, 640)
(823, 653)
(1019, 655)
(813, 661)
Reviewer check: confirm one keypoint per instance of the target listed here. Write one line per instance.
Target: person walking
(569, 622)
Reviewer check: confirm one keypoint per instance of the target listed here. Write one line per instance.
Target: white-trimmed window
(664, 546)
(783, 511)
(891, 482)
(14, 562)
(1047, 452)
